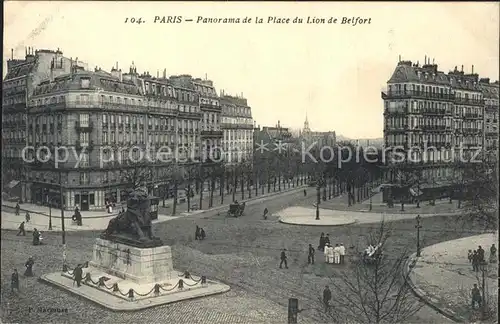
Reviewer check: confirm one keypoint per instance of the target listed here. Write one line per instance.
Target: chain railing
(131, 293)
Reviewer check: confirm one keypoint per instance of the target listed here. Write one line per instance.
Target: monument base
(139, 265)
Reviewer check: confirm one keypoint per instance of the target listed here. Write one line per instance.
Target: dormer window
(85, 83)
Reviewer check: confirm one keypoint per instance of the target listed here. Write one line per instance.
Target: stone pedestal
(139, 265)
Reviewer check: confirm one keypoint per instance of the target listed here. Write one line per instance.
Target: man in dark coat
(78, 274)
(475, 261)
(29, 267)
(305, 192)
(18, 208)
(197, 233)
(327, 296)
(21, 230)
(14, 281)
(321, 245)
(480, 253)
(36, 237)
(283, 259)
(310, 255)
(476, 297)
(327, 239)
(202, 233)
(28, 217)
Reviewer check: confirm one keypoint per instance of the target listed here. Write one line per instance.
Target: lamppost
(370, 193)
(64, 267)
(318, 197)
(418, 227)
(484, 269)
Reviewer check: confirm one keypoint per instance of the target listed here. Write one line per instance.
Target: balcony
(395, 113)
(207, 106)
(468, 101)
(212, 133)
(88, 146)
(433, 112)
(417, 95)
(471, 130)
(472, 116)
(435, 128)
(236, 126)
(84, 127)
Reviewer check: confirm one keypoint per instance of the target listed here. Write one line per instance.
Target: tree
(135, 175)
(373, 293)
(477, 185)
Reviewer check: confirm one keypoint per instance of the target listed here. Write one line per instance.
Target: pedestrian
(202, 233)
(36, 237)
(27, 217)
(469, 256)
(78, 275)
(475, 261)
(18, 208)
(265, 213)
(342, 253)
(21, 230)
(305, 193)
(327, 296)
(493, 254)
(336, 254)
(476, 297)
(14, 281)
(480, 252)
(330, 253)
(283, 259)
(321, 245)
(310, 255)
(197, 233)
(327, 239)
(29, 267)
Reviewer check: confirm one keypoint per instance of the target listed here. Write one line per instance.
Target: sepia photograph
(250, 162)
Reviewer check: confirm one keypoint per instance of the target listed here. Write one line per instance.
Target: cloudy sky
(333, 72)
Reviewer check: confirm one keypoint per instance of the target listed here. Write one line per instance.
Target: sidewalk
(341, 203)
(443, 278)
(11, 221)
(43, 210)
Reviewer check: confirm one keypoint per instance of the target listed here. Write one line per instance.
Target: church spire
(306, 125)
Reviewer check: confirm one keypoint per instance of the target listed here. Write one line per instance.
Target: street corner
(307, 216)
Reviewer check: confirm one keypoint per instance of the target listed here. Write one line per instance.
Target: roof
(490, 90)
(99, 80)
(22, 69)
(429, 74)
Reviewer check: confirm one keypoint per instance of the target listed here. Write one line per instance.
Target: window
(84, 159)
(105, 138)
(84, 120)
(84, 99)
(104, 119)
(84, 138)
(84, 178)
(91, 199)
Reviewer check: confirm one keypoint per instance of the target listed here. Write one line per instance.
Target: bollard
(115, 287)
(187, 274)
(203, 280)
(131, 293)
(181, 284)
(157, 289)
(101, 282)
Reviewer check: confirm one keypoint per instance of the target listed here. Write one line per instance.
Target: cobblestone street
(242, 252)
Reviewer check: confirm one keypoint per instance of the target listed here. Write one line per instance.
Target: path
(443, 277)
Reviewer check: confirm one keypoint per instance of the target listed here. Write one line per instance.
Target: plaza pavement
(443, 276)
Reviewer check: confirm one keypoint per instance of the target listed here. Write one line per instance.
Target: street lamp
(418, 227)
(318, 200)
(64, 267)
(484, 269)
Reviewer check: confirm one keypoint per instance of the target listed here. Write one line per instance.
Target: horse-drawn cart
(236, 209)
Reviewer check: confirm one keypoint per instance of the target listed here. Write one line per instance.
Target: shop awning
(415, 192)
(12, 184)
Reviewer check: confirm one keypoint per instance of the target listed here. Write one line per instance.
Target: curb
(57, 209)
(410, 262)
(329, 225)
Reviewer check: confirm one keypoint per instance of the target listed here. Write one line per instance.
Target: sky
(334, 73)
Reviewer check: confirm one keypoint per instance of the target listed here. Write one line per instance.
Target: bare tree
(135, 175)
(373, 292)
(477, 185)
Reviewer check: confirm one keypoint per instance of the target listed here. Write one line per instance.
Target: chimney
(432, 61)
(472, 68)
(117, 65)
(157, 74)
(399, 58)
(425, 60)
(165, 73)
(462, 68)
(11, 53)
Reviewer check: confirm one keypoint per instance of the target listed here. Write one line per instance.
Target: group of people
(109, 206)
(334, 255)
(77, 217)
(14, 280)
(37, 237)
(477, 257)
(199, 234)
